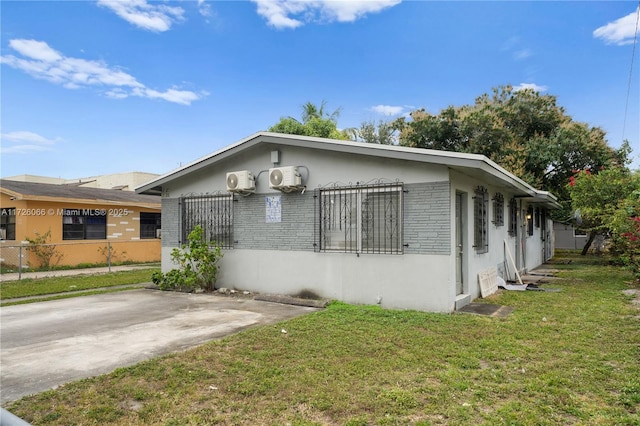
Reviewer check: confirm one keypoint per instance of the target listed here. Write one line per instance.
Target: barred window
(498, 209)
(481, 220)
(360, 219)
(513, 217)
(214, 213)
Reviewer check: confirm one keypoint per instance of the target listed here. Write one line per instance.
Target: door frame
(460, 243)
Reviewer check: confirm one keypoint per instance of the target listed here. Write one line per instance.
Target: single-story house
(363, 223)
(83, 223)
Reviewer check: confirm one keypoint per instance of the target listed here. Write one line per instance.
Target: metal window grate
(360, 219)
(498, 209)
(214, 212)
(480, 216)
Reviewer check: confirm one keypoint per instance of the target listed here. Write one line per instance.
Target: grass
(560, 358)
(52, 285)
(12, 269)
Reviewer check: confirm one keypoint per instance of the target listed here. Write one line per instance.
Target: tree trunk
(592, 236)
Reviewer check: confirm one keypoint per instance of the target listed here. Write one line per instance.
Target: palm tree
(311, 111)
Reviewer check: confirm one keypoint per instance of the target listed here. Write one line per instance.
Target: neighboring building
(568, 237)
(81, 221)
(124, 181)
(362, 223)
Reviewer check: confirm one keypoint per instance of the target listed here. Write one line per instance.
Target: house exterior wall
(39, 217)
(281, 257)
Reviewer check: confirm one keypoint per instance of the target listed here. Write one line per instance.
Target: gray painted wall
(280, 257)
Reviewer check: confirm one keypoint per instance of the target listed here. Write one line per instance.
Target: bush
(198, 265)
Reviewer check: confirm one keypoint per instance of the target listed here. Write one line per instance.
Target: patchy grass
(52, 285)
(560, 358)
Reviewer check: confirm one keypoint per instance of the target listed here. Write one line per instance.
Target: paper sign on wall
(273, 205)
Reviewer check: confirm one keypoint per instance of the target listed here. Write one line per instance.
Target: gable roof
(474, 165)
(71, 193)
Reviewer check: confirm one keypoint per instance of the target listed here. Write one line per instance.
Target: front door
(459, 242)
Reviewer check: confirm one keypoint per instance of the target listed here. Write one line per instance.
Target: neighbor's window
(84, 224)
(513, 217)
(498, 209)
(579, 233)
(214, 213)
(481, 220)
(149, 225)
(8, 223)
(361, 219)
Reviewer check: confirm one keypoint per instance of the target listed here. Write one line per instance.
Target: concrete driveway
(46, 344)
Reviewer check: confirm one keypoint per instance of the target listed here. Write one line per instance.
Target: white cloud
(294, 13)
(532, 86)
(204, 8)
(390, 110)
(42, 62)
(23, 142)
(522, 53)
(621, 31)
(152, 17)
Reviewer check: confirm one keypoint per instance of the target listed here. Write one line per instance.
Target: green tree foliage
(525, 132)
(382, 133)
(609, 203)
(197, 265)
(315, 122)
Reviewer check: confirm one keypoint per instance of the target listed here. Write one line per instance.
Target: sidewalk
(69, 272)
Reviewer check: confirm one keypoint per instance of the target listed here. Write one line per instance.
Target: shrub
(198, 265)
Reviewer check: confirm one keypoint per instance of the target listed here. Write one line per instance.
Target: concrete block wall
(171, 222)
(427, 228)
(294, 232)
(427, 225)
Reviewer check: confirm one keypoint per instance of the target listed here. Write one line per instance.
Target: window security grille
(498, 210)
(481, 220)
(213, 212)
(360, 219)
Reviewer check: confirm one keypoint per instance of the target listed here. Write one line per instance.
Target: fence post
(20, 262)
(109, 254)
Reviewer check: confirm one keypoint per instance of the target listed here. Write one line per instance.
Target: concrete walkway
(69, 272)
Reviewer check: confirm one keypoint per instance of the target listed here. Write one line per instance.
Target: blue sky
(97, 87)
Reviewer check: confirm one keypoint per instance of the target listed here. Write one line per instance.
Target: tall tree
(524, 131)
(382, 133)
(605, 201)
(315, 122)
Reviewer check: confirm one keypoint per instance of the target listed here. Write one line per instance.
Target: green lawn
(571, 357)
(52, 285)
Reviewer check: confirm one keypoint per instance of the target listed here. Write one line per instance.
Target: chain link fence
(28, 257)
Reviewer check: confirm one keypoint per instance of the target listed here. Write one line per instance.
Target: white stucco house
(363, 223)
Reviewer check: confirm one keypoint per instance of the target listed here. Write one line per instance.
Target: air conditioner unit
(241, 181)
(284, 177)
(158, 233)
